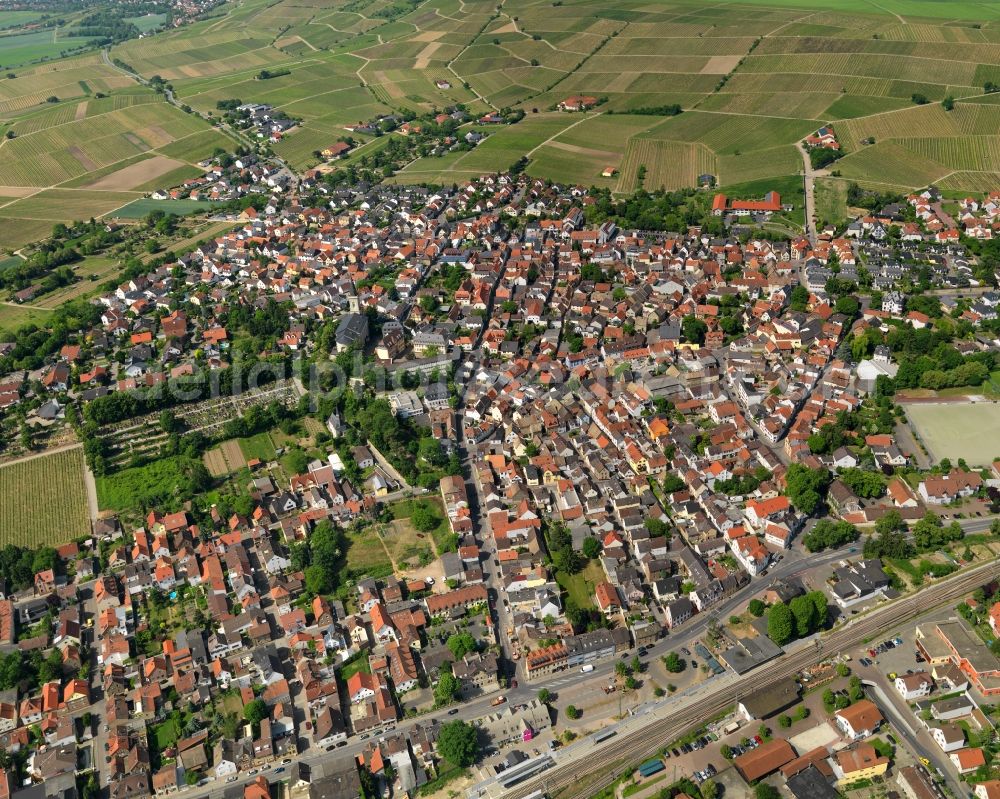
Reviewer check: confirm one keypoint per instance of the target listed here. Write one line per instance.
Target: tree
(854, 689)
(591, 548)
(458, 743)
(784, 721)
(798, 300)
(461, 644)
(709, 790)
(694, 329)
(256, 711)
(572, 712)
(765, 791)
(673, 663)
(827, 533)
(780, 624)
(756, 608)
(672, 483)
(804, 612)
(544, 695)
(867, 485)
(726, 751)
(843, 670)
(447, 687)
(806, 487)
(316, 579)
(424, 519)
(948, 103)
(848, 306)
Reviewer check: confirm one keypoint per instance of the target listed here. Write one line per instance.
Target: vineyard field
(45, 500)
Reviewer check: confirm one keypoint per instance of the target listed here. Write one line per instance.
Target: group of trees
(829, 534)
(322, 558)
(368, 418)
(559, 542)
(928, 360)
(807, 487)
(29, 670)
(659, 210)
(822, 157)
(801, 617)
(18, 565)
(931, 533)
(865, 484)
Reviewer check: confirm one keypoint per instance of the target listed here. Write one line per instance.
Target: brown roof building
(765, 759)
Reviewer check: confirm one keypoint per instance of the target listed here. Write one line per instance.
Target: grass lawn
(405, 544)
(831, 200)
(259, 446)
(444, 541)
(165, 734)
(579, 587)
(366, 555)
(357, 663)
(139, 208)
(14, 316)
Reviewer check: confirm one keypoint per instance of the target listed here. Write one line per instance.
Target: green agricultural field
(45, 500)
(13, 317)
(15, 19)
(140, 208)
(148, 22)
(24, 48)
(831, 200)
(753, 78)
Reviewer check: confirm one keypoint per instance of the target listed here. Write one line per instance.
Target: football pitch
(969, 430)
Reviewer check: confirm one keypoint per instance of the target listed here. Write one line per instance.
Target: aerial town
(399, 491)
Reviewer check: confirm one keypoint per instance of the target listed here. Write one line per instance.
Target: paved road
(808, 177)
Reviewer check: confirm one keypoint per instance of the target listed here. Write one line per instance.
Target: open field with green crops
(753, 77)
(45, 500)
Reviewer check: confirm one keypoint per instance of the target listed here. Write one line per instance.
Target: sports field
(969, 430)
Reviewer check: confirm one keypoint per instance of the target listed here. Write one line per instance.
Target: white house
(860, 720)
(949, 737)
(914, 686)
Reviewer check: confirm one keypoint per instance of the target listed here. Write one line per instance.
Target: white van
(587, 669)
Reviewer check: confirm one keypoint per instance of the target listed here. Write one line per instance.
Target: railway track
(636, 745)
